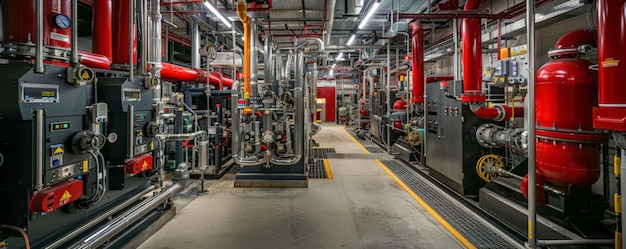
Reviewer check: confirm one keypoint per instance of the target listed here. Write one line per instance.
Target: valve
(488, 166)
(85, 141)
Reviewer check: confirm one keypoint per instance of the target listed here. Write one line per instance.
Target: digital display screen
(132, 94)
(39, 93)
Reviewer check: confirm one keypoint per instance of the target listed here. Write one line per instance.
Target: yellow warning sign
(610, 62)
(523, 51)
(86, 74)
(140, 133)
(144, 166)
(58, 150)
(152, 145)
(66, 196)
(514, 52)
(85, 166)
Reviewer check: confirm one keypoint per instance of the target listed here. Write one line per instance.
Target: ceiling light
(339, 57)
(334, 65)
(351, 39)
(369, 14)
(218, 14)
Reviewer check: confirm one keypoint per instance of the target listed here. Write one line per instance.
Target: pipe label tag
(610, 62)
(59, 37)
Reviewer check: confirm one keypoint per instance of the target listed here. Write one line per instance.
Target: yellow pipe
(242, 12)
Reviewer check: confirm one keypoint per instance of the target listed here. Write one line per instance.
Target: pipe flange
(484, 135)
(501, 113)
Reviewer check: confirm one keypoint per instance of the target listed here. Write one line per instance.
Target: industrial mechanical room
(166, 124)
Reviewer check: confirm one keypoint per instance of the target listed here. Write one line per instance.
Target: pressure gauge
(62, 21)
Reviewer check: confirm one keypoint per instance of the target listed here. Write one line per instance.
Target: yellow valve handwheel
(488, 161)
(415, 138)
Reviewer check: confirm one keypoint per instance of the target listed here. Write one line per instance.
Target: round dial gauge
(62, 21)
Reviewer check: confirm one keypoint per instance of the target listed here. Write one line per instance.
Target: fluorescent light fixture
(334, 65)
(351, 39)
(369, 14)
(339, 57)
(218, 14)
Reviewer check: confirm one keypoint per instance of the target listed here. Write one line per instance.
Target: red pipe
(433, 79)
(611, 113)
(417, 63)
(174, 73)
(497, 113)
(102, 27)
(472, 57)
(94, 60)
(121, 33)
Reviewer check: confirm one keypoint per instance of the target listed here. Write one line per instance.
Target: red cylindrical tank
(18, 19)
(564, 163)
(121, 34)
(102, 31)
(417, 65)
(399, 105)
(566, 91)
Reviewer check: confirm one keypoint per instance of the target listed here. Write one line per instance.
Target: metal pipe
(455, 57)
(74, 42)
(242, 7)
(234, 97)
(131, 47)
(320, 43)
(182, 136)
(269, 65)
(39, 43)
(299, 74)
(195, 44)
(92, 222)
(575, 242)
(530, 125)
(254, 58)
(154, 47)
(330, 8)
(131, 131)
(142, 65)
(39, 140)
(128, 218)
(299, 131)
(388, 96)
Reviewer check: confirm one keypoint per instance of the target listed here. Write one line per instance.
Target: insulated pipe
(39, 43)
(102, 35)
(417, 63)
(234, 97)
(131, 216)
(154, 46)
(269, 65)
(330, 9)
(94, 60)
(320, 43)
(497, 113)
(39, 140)
(92, 222)
(74, 40)
(530, 123)
(195, 44)
(472, 57)
(299, 74)
(132, 45)
(242, 7)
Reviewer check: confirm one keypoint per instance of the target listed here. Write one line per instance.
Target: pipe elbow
(242, 11)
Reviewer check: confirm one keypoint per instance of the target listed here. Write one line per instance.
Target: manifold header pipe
(472, 57)
(417, 63)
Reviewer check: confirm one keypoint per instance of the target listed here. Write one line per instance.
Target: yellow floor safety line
(431, 211)
(329, 173)
(355, 141)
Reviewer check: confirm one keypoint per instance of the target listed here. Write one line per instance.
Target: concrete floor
(362, 207)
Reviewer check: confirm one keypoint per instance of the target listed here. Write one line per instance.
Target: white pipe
(154, 55)
(195, 44)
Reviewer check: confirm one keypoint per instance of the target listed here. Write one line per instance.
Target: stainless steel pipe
(39, 43)
(39, 131)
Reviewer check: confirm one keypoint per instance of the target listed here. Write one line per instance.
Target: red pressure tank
(567, 150)
(18, 18)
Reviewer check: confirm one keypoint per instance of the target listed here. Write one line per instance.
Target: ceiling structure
(290, 21)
